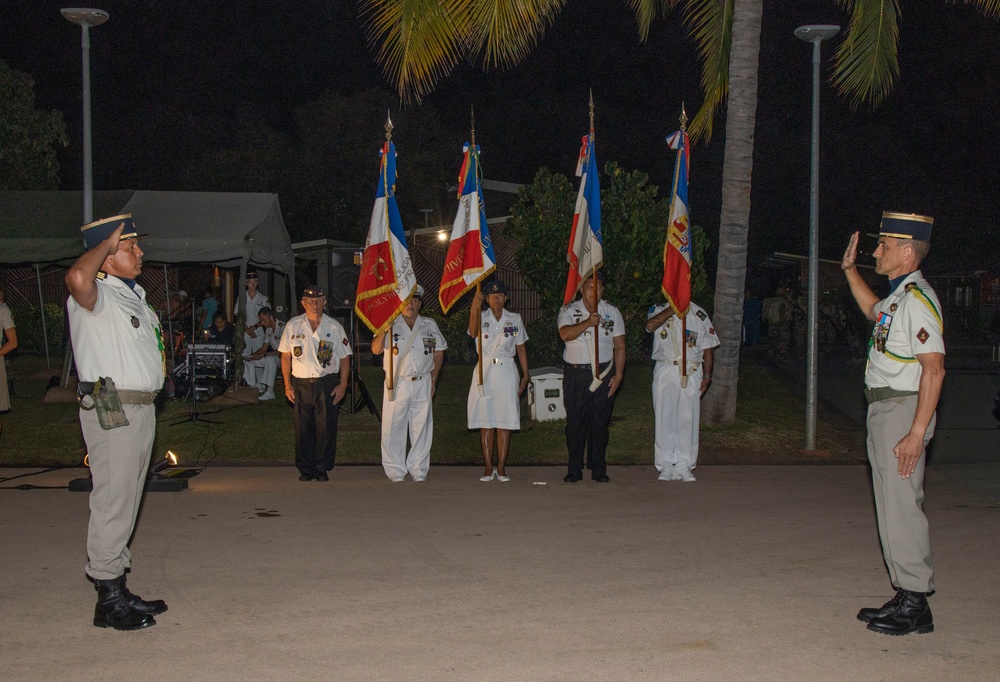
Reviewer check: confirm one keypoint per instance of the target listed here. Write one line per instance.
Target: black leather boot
(153, 608)
(913, 614)
(113, 610)
(866, 615)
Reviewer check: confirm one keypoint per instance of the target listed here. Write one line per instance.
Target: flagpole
(479, 288)
(677, 169)
(593, 266)
(390, 386)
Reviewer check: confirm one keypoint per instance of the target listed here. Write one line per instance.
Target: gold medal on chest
(892, 308)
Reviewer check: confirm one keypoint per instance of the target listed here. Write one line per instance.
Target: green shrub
(30, 339)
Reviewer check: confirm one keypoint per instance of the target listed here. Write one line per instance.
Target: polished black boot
(866, 615)
(113, 610)
(913, 614)
(152, 608)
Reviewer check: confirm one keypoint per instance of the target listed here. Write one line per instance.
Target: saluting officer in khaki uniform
(116, 335)
(903, 383)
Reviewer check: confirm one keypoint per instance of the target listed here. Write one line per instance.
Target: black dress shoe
(601, 478)
(321, 476)
(573, 477)
(866, 615)
(305, 477)
(913, 614)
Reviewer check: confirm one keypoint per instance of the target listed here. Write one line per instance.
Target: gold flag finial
(388, 125)
(683, 118)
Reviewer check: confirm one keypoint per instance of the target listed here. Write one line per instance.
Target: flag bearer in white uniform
(903, 382)
(419, 354)
(677, 408)
(116, 336)
(496, 410)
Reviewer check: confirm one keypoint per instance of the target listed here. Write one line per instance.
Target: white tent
(229, 229)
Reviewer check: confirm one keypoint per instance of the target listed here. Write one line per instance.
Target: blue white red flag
(677, 249)
(386, 280)
(470, 252)
(586, 251)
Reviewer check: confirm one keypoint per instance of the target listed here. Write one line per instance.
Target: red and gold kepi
(96, 232)
(905, 226)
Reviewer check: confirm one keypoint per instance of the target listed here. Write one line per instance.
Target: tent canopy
(225, 228)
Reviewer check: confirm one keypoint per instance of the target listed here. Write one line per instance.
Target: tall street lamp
(814, 34)
(86, 18)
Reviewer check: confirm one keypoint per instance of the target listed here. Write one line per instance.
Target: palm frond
(420, 40)
(988, 8)
(646, 11)
(867, 63)
(506, 31)
(710, 24)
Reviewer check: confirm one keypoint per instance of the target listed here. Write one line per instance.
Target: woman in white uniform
(494, 407)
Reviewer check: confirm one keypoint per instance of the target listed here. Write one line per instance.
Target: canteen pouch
(103, 397)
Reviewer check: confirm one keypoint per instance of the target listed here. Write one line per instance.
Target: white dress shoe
(502, 479)
(267, 395)
(488, 478)
(686, 475)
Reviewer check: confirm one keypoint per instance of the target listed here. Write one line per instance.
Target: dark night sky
(929, 148)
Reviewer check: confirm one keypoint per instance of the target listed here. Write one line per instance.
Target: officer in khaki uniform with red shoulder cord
(118, 349)
(903, 382)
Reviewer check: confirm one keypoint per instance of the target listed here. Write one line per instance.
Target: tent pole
(170, 318)
(41, 309)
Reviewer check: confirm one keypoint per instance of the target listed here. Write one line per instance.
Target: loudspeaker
(345, 267)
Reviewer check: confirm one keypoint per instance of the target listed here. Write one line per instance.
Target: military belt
(137, 397)
(873, 395)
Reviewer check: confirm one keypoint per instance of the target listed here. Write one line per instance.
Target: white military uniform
(580, 351)
(909, 321)
(6, 322)
(121, 339)
(411, 411)
(500, 407)
(253, 343)
(262, 372)
(677, 410)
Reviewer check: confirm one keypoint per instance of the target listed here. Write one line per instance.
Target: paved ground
(752, 573)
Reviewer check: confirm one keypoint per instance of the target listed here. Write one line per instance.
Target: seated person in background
(221, 331)
(260, 366)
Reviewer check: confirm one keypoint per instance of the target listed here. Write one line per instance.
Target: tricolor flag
(387, 279)
(677, 249)
(470, 252)
(586, 252)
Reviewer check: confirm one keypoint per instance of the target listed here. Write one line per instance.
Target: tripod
(191, 360)
(360, 396)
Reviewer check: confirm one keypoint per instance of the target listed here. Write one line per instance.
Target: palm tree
(422, 41)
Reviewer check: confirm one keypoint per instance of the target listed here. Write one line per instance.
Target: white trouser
(410, 413)
(263, 371)
(677, 412)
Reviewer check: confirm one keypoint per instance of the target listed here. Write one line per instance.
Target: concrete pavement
(752, 573)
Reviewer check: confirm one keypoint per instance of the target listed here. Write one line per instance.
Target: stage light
(169, 461)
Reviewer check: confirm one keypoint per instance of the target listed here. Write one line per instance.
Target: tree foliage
(634, 223)
(28, 136)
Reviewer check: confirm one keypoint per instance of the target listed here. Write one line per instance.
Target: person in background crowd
(261, 366)
(8, 342)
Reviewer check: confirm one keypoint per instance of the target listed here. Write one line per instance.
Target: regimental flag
(470, 252)
(387, 279)
(586, 252)
(677, 249)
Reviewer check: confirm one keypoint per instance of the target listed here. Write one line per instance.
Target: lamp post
(86, 18)
(814, 34)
